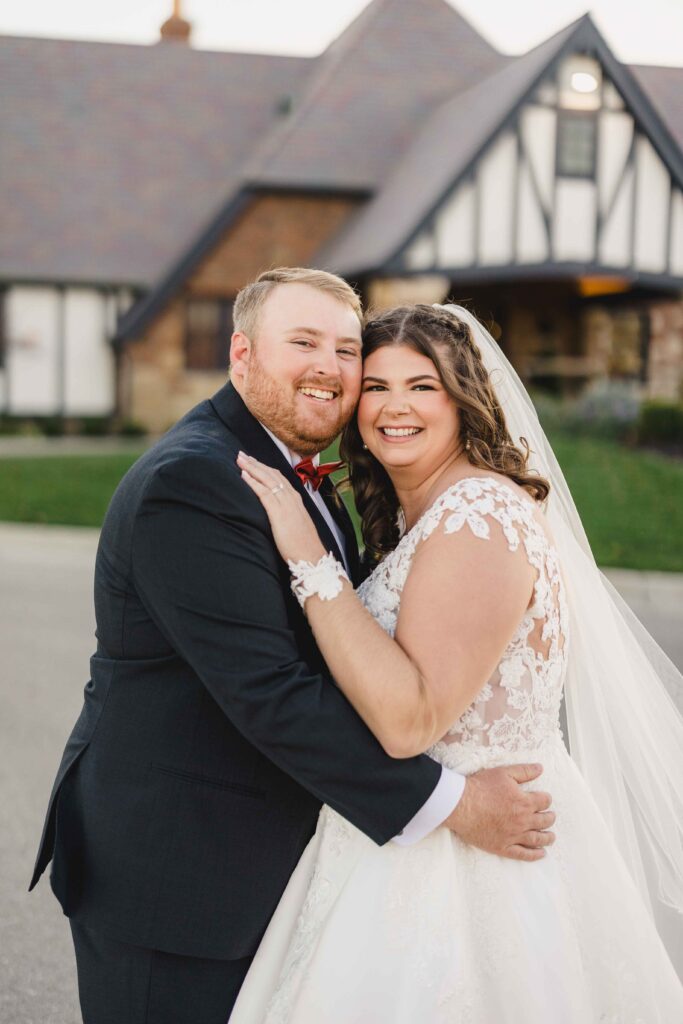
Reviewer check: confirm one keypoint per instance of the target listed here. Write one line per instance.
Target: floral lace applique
(518, 708)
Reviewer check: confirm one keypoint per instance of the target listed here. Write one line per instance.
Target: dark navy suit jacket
(211, 731)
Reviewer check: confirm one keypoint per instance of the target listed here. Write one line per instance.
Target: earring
(468, 444)
(365, 447)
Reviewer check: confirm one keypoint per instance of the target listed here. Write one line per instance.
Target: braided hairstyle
(447, 341)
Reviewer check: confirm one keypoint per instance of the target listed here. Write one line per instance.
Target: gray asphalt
(46, 638)
(46, 627)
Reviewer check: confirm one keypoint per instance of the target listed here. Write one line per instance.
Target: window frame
(577, 117)
(221, 343)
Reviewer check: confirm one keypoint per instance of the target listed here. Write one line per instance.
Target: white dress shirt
(447, 793)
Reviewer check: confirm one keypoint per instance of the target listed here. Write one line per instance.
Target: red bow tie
(314, 475)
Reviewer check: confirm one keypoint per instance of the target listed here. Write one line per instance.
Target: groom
(211, 732)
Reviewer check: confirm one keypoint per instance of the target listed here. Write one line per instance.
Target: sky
(638, 31)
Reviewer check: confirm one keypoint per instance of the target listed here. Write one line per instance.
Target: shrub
(132, 428)
(52, 426)
(94, 426)
(9, 427)
(607, 410)
(660, 423)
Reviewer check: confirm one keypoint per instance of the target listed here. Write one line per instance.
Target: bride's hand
(293, 529)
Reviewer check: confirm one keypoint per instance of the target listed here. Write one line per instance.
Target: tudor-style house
(141, 187)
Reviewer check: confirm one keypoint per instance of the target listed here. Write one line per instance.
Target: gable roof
(454, 138)
(369, 90)
(448, 144)
(114, 156)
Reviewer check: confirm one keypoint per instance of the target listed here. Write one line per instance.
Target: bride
(483, 606)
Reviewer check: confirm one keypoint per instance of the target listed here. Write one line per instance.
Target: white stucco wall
(59, 360)
(89, 359)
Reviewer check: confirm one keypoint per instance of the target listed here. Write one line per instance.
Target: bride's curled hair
(437, 333)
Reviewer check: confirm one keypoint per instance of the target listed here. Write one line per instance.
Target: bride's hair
(447, 341)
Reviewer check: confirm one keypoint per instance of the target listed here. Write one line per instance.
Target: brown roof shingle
(114, 156)
(664, 86)
(369, 93)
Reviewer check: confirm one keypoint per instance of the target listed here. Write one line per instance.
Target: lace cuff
(324, 578)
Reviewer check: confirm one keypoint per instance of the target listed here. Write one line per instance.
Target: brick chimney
(176, 29)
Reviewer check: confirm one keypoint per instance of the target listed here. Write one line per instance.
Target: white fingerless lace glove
(324, 578)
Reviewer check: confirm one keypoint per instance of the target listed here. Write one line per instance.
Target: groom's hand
(497, 815)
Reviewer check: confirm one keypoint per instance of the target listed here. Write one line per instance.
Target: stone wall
(276, 230)
(385, 292)
(665, 363)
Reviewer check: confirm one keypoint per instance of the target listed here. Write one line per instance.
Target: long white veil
(625, 732)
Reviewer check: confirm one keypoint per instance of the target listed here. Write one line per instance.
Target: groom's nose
(326, 363)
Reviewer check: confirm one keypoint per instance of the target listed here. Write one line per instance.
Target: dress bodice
(518, 708)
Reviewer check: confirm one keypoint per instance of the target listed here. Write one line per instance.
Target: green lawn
(631, 501)
(69, 489)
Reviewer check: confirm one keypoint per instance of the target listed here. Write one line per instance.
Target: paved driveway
(46, 627)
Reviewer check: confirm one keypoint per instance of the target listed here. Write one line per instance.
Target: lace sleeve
(474, 504)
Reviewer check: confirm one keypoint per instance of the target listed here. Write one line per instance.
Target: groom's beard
(304, 427)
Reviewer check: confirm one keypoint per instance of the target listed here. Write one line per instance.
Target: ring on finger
(276, 490)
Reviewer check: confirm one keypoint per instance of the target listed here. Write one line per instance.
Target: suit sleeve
(206, 567)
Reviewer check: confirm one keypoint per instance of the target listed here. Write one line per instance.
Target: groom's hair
(251, 298)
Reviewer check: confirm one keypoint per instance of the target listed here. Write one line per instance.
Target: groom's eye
(303, 341)
(348, 352)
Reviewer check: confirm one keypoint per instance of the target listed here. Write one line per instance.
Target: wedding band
(274, 490)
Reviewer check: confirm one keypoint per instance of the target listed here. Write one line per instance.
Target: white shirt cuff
(443, 801)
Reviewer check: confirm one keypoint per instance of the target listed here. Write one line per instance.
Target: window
(576, 139)
(207, 335)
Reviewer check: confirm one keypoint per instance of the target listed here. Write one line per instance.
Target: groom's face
(300, 374)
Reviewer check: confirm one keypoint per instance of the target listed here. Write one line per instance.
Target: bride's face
(405, 415)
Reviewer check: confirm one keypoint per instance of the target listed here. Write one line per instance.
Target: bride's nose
(397, 405)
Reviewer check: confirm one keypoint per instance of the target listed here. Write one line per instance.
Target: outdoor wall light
(579, 78)
(582, 81)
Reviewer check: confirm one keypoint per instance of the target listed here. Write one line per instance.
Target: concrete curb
(39, 447)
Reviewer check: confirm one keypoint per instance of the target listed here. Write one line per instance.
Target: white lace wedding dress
(443, 933)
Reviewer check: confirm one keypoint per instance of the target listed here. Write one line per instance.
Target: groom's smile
(319, 394)
(300, 373)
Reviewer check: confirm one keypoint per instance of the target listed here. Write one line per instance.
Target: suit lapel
(230, 408)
